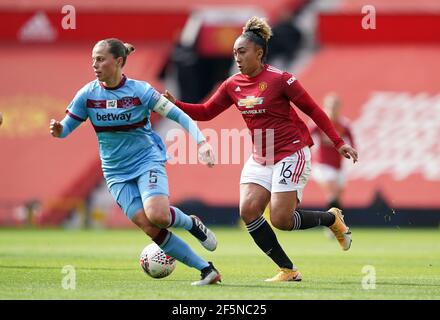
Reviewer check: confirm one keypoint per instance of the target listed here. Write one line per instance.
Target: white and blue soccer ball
(155, 262)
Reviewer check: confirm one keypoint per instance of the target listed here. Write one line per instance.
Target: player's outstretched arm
(167, 109)
(218, 103)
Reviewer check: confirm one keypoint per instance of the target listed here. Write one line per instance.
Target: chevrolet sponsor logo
(257, 111)
(250, 101)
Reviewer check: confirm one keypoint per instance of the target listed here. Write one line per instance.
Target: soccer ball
(156, 263)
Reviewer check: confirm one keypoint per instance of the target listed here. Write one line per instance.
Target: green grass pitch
(406, 263)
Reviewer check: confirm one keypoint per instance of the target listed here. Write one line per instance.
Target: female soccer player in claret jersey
(277, 171)
(328, 169)
(133, 156)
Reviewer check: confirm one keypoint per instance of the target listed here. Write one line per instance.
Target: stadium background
(56, 213)
(387, 79)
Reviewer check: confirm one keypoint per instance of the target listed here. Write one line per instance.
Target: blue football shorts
(130, 195)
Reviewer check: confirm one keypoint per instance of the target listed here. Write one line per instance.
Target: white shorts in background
(289, 174)
(324, 173)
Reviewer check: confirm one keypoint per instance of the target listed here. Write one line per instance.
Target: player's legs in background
(331, 180)
(332, 201)
(332, 193)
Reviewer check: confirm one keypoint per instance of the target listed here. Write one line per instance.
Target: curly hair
(259, 32)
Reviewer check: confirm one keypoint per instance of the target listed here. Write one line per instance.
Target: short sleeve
(148, 95)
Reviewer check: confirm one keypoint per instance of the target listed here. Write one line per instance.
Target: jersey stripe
(126, 127)
(74, 116)
(303, 163)
(275, 70)
(299, 166)
(298, 156)
(121, 103)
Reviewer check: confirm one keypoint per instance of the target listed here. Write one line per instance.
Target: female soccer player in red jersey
(280, 165)
(328, 170)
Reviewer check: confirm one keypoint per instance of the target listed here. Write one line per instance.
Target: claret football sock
(178, 219)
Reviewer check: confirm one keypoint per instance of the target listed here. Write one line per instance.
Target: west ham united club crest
(127, 102)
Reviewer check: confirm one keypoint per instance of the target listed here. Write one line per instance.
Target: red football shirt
(264, 103)
(325, 153)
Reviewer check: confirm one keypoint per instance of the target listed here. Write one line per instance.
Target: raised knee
(279, 222)
(144, 224)
(158, 216)
(250, 212)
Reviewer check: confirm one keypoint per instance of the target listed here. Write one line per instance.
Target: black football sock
(334, 204)
(304, 219)
(266, 240)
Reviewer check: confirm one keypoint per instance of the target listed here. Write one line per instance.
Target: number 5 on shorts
(153, 176)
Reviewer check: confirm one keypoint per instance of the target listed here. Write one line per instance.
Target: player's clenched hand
(349, 152)
(56, 128)
(206, 154)
(169, 96)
